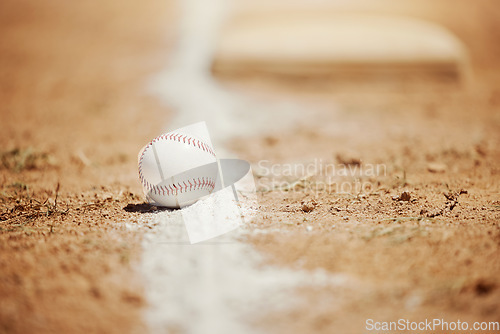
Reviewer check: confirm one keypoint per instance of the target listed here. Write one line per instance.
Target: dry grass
(18, 159)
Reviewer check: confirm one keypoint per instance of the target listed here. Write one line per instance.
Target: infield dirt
(422, 242)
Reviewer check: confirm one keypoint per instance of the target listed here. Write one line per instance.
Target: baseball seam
(184, 186)
(178, 138)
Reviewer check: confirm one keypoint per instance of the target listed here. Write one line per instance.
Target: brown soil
(422, 242)
(422, 239)
(72, 122)
(419, 242)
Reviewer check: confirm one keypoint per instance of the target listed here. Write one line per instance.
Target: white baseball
(168, 170)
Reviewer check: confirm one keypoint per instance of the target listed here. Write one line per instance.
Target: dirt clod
(348, 157)
(308, 206)
(405, 196)
(436, 167)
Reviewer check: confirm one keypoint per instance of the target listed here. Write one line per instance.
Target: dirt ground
(73, 117)
(421, 240)
(421, 237)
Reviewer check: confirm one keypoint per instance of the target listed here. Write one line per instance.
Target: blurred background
(283, 22)
(406, 83)
(248, 67)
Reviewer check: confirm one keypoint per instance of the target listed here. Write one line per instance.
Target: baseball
(177, 169)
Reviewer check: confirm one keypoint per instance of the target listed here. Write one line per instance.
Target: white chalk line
(219, 286)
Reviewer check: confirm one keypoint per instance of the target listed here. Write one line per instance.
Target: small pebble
(436, 167)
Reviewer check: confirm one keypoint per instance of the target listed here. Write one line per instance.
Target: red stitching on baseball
(176, 188)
